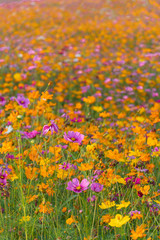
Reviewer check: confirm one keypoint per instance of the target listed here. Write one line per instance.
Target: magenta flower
(75, 137)
(2, 101)
(96, 187)
(133, 180)
(30, 134)
(21, 100)
(76, 186)
(3, 179)
(67, 166)
(91, 199)
(52, 126)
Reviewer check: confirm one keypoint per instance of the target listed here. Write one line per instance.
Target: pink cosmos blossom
(3, 179)
(96, 187)
(30, 134)
(52, 126)
(2, 101)
(75, 137)
(76, 186)
(21, 100)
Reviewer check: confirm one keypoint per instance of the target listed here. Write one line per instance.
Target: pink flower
(21, 100)
(76, 186)
(96, 187)
(75, 137)
(52, 126)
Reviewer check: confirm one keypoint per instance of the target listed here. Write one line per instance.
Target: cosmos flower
(91, 199)
(31, 134)
(2, 101)
(3, 179)
(96, 187)
(75, 137)
(123, 204)
(21, 100)
(138, 233)
(76, 186)
(52, 126)
(67, 166)
(107, 204)
(119, 220)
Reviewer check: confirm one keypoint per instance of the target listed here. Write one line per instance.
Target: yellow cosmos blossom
(123, 204)
(25, 219)
(152, 141)
(119, 220)
(71, 220)
(17, 77)
(107, 204)
(97, 108)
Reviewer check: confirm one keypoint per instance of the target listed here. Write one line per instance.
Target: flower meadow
(79, 120)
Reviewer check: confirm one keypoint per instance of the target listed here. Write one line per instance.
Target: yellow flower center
(78, 188)
(73, 139)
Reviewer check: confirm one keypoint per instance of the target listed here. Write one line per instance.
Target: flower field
(79, 120)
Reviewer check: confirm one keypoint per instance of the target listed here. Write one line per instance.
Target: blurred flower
(2, 101)
(96, 187)
(21, 100)
(91, 199)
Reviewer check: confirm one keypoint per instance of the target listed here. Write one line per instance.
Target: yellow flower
(119, 220)
(71, 220)
(25, 219)
(97, 108)
(17, 77)
(122, 205)
(157, 201)
(107, 204)
(13, 177)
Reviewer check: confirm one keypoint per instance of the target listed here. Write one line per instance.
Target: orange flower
(31, 172)
(71, 220)
(89, 99)
(86, 166)
(64, 209)
(45, 207)
(7, 147)
(106, 218)
(138, 233)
